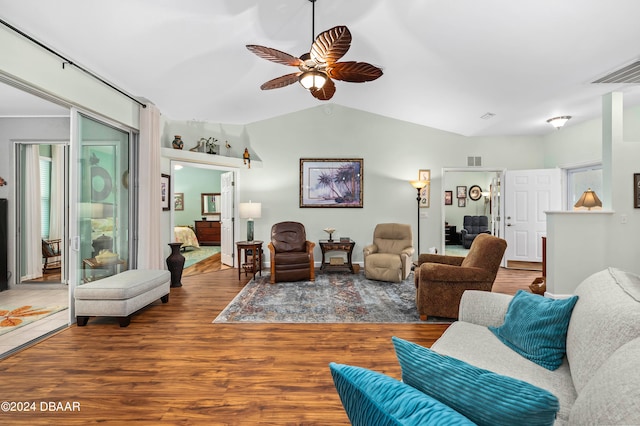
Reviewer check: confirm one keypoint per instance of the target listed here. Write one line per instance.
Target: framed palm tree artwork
(331, 182)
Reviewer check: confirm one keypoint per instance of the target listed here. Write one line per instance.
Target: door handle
(75, 243)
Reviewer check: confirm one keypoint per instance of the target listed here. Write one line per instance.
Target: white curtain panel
(32, 232)
(150, 253)
(56, 214)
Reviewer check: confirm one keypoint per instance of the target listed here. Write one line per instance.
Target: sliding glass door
(101, 228)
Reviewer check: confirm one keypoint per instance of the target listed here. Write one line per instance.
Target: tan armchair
(291, 253)
(389, 257)
(441, 280)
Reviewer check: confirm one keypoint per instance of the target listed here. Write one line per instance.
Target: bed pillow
(371, 398)
(536, 328)
(482, 396)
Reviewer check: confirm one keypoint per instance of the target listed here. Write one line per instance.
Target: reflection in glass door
(101, 244)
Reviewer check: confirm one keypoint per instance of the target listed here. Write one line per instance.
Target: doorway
(469, 192)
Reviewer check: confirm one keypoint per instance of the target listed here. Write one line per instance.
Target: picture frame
(448, 198)
(425, 193)
(178, 201)
(636, 190)
(461, 191)
(462, 202)
(475, 193)
(331, 182)
(165, 191)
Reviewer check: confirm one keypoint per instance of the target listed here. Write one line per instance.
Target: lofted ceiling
(446, 63)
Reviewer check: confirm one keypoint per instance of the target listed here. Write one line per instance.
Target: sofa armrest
(483, 307)
(440, 258)
(408, 252)
(370, 249)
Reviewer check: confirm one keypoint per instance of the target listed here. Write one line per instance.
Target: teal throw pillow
(371, 398)
(482, 396)
(536, 328)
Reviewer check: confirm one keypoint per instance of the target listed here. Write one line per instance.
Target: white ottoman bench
(121, 295)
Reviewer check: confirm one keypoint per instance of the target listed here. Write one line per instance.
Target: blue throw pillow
(536, 328)
(484, 397)
(371, 398)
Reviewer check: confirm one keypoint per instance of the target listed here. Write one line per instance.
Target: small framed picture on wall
(636, 190)
(448, 198)
(461, 191)
(462, 202)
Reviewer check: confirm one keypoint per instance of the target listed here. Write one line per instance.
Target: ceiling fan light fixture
(558, 122)
(312, 80)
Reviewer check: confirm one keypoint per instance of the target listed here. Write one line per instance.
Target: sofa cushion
(371, 398)
(608, 306)
(536, 327)
(485, 397)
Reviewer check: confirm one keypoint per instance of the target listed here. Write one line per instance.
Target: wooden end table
(343, 246)
(256, 254)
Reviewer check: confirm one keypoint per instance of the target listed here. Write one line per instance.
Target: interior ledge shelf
(202, 158)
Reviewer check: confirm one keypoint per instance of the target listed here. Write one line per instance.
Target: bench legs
(82, 321)
(165, 298)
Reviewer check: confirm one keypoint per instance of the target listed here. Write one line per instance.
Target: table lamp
(250, 211)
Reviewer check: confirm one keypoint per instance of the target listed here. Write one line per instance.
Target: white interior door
(226, 218)
(528, 194)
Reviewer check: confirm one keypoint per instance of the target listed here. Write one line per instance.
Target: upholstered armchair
(389, 257)
(441, 279)
(472, 226)
(291, 253)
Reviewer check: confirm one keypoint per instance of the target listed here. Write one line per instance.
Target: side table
(343, 246)
(256, 254)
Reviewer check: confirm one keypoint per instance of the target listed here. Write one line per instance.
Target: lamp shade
(250, 210)
(419, 184)
(588, 200)
(312, 79)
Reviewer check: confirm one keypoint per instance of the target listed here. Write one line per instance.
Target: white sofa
(598, 382)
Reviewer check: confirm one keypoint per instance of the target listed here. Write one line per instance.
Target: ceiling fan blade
(282, 81)
(274, 55)
(326, 92)
(331, 45)
(354, 72)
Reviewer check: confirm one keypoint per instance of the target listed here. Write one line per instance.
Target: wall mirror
(211, 204)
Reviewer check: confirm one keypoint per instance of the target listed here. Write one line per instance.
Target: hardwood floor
(173, 366)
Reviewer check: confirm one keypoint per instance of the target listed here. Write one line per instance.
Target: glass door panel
(102, 208)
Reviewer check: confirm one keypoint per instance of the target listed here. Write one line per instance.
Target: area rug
(196, 254)
(12, 318)
(331, 298)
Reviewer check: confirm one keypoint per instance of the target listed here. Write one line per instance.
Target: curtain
(56, 203)
(32, 230)
(150, 253)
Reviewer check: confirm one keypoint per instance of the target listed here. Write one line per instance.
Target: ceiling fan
(319, 67)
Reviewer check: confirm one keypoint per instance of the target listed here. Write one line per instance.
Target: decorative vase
(177, 142)
(175, 263)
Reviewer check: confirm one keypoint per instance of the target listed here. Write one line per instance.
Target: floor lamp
(419, 185)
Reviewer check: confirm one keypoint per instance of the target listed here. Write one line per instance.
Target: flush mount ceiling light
(558, 122)
(320, 66)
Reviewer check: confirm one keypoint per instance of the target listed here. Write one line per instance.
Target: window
(45, 195)
(582, 178)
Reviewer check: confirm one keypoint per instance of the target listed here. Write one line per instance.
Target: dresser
(450, 235)
(208, 232)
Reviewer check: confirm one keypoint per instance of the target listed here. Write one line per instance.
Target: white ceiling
(446, 63)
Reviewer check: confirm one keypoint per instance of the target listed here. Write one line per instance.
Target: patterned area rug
(193, 255)
(331, 298)
(12, 318)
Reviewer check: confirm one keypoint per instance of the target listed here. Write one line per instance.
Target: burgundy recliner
(291, 253)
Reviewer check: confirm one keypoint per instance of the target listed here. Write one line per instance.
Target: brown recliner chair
(441, 280)
(291, 253)
(389, 257)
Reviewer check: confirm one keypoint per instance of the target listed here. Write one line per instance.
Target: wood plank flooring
(173, 366)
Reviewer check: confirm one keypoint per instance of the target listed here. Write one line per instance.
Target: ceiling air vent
(626, 74)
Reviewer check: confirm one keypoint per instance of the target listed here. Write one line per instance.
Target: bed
(186, 236)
